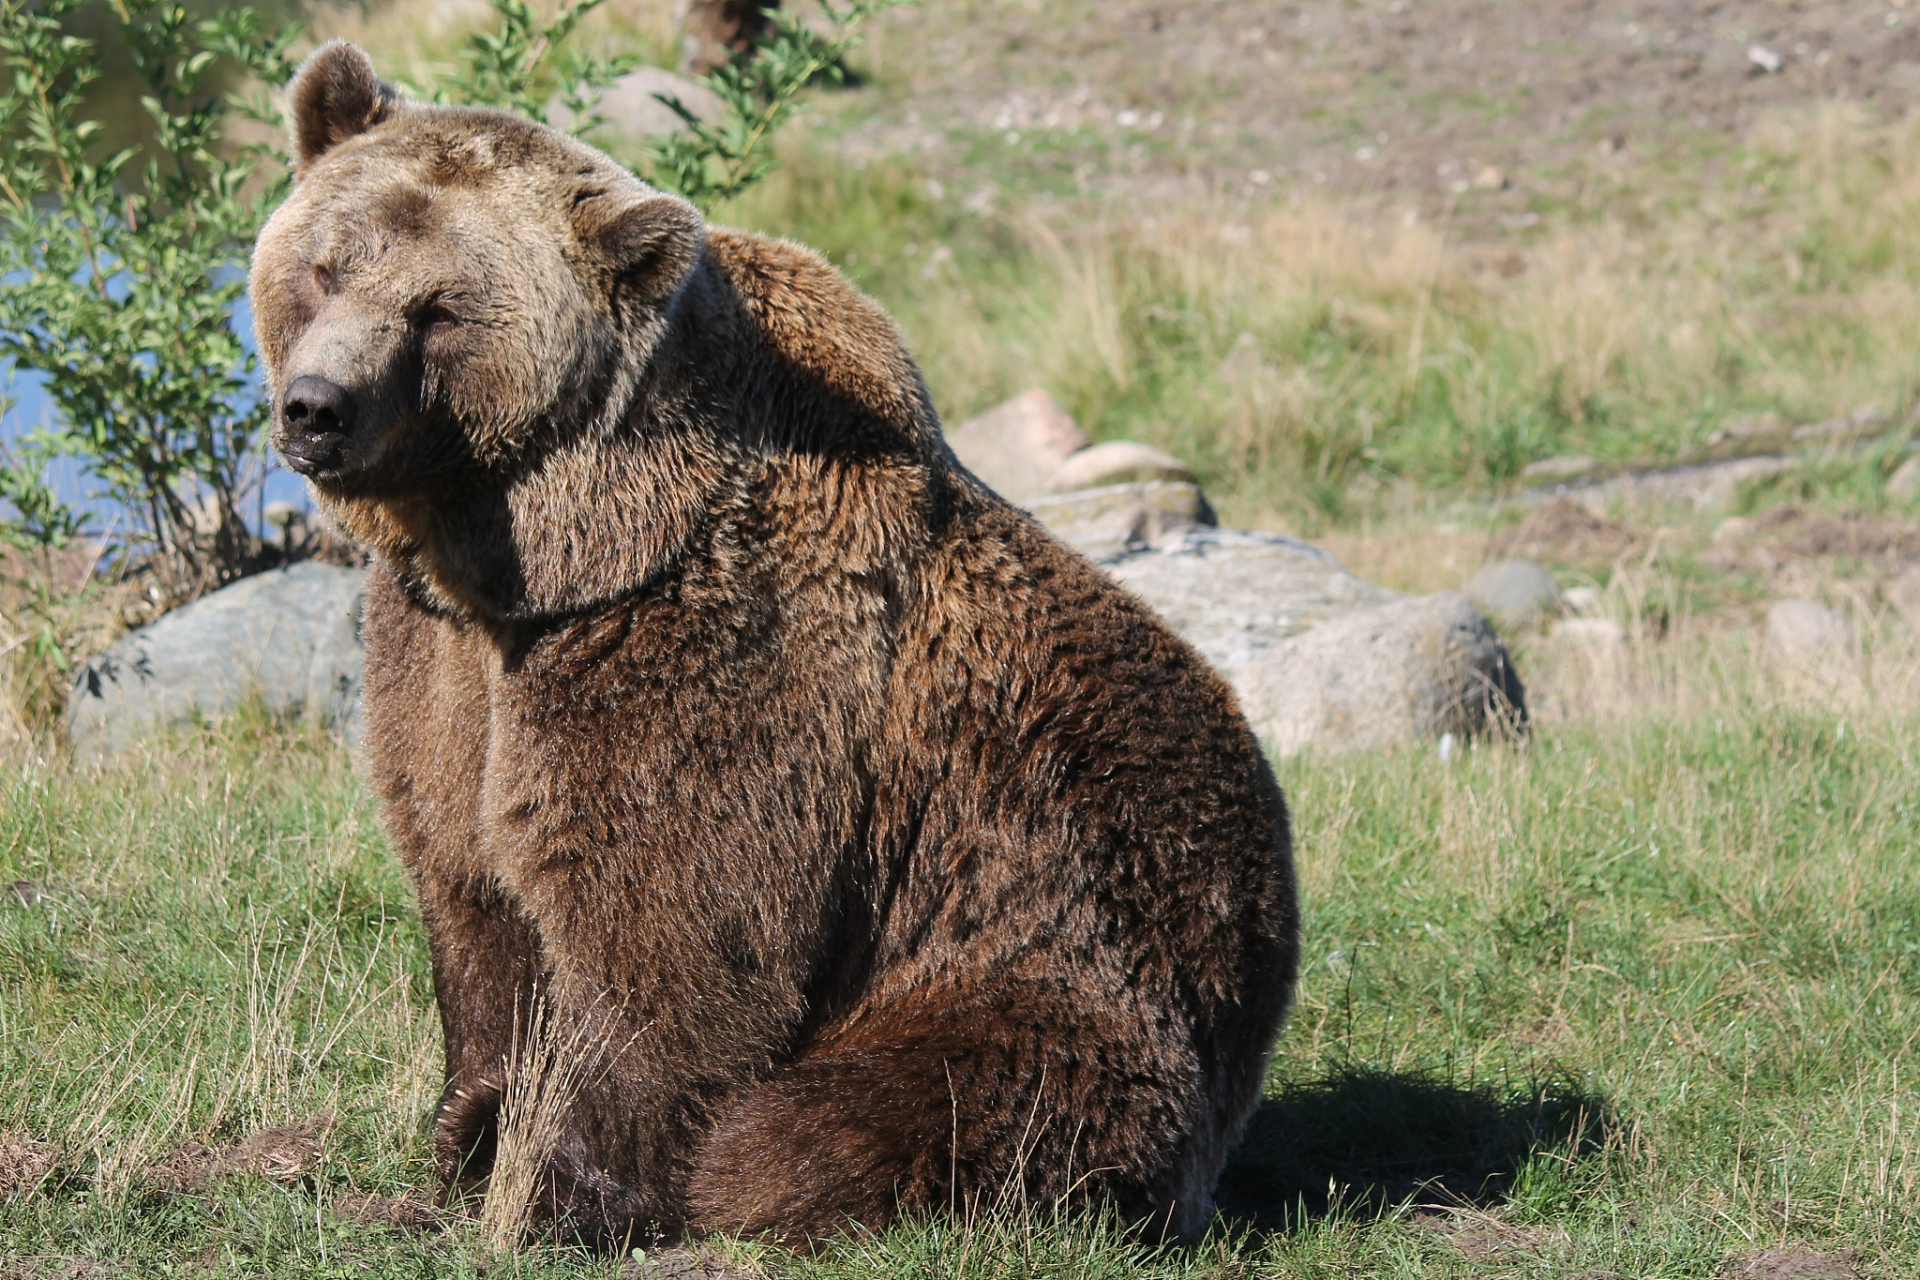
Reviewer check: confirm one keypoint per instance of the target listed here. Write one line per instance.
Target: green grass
(1633, 1000)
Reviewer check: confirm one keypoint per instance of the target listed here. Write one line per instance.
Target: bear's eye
(436, 317)
(323, 276)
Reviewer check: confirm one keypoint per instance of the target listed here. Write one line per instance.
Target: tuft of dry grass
(548, 1063)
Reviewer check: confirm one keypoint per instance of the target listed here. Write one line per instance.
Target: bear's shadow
(1367, 1141)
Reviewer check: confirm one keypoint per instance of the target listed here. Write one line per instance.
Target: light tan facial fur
(483, 292)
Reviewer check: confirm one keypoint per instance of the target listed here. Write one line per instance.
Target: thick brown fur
(886, 854)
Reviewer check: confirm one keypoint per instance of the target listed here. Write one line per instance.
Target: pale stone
(1594, 634)
(1581, 599)
(289, 637)
(1116, 462)
(1017, 446)
(1549, 470)
(1808, 637)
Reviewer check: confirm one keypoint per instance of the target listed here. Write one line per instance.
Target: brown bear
(879, 853)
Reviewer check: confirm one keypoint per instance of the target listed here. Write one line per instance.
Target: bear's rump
(1020, 1096)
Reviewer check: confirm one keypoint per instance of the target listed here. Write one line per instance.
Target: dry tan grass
(25, 1162)
(549, 1062)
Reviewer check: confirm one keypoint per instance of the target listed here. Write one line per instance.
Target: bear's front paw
(465, 1133)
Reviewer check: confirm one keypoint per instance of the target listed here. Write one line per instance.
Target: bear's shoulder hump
(816, 321)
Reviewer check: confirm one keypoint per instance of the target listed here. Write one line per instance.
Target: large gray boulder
(1321, 658)
(289, 637)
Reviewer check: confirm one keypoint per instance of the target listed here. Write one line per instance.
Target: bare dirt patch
(52, 1269)
(1771, 541)
(1482, 1240)
(1849, 533)
(679, 1264)
(1427, 100)
(24, 1163)
(285, 1153)
(1796, 1262)
(1566, 532)
(398, 1213)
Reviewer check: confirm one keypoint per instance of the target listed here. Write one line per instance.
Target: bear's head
(454, 306)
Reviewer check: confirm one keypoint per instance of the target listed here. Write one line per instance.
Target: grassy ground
(1308, 356)
(1635, 1000)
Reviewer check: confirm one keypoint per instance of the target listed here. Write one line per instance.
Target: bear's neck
(593, 526)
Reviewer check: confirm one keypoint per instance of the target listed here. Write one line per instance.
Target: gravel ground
(1417, 101)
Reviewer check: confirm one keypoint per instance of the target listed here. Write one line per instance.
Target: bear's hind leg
(1022, 1100)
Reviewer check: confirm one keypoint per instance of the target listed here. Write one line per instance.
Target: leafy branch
(518, 64)
(712, 162)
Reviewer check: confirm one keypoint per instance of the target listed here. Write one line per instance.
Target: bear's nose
(315, 420)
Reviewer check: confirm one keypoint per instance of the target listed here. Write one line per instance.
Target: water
(32, 408)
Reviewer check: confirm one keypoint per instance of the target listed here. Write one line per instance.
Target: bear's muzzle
(316, 417)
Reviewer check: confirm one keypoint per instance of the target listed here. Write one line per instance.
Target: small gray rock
(1551, 470)
(1581, 599)
(1107, 520)
(1116, 462)
(1807, 636)
(1594, 635)
(1016, 447)
(631, 107)
(1516, 593)
(289, 637)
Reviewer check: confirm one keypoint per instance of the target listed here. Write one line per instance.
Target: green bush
(119, 275)
(118, 283)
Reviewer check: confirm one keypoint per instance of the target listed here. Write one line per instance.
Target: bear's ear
(649, 241)
(334, 96)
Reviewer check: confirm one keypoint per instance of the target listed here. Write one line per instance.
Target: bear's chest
(664, 747)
